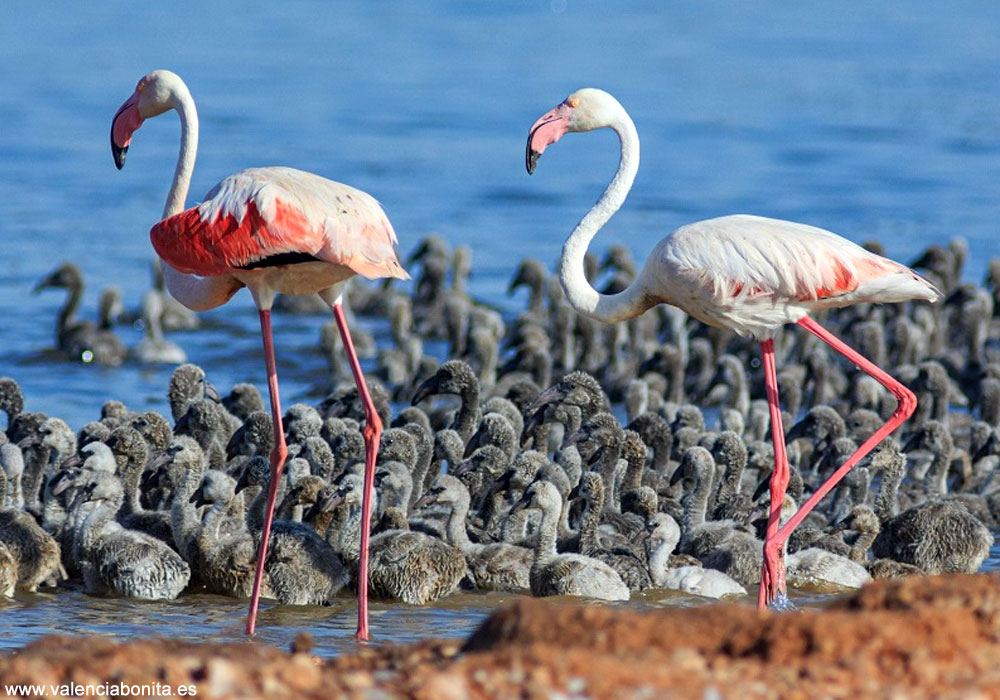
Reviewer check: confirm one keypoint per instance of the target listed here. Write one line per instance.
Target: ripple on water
(204, 617)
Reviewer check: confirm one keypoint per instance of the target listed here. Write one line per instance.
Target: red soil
(903, 638)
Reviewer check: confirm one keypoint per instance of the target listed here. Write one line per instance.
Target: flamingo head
(584, 110)
(154, 94)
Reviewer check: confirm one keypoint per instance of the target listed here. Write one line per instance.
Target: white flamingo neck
(581, 295)
(176, 198)
(196, 293)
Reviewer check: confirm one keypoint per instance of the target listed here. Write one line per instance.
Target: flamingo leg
(906, 403)
(278, 455)
(372, 435)
(772, 576)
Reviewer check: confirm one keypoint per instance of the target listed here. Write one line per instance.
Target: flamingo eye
(573, 102)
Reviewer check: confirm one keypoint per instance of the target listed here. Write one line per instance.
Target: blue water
(874, 120)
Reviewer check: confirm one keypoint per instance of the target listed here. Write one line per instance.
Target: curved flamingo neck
(184, 104)
(581, 295)
(67, 314)
(196, 293)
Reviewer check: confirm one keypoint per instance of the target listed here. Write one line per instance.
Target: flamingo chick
(746, 273)
(272, 230)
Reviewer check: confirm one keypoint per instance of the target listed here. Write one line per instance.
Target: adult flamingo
(271, 230)
(746, 273)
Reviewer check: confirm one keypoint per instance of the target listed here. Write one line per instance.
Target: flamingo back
(284, 214)
(754, 274)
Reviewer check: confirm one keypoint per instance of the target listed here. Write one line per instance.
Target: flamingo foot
(763, 591)
(772, 581)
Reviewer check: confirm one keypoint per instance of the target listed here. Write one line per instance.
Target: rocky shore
(918, 637)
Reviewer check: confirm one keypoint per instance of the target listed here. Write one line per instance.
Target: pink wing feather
(743, 256)
(753, 274)
(262, 212)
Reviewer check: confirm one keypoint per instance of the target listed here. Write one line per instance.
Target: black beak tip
(531, 160)
(426, 389)
(119, 155)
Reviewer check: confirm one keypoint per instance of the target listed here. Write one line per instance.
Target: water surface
(874, 120)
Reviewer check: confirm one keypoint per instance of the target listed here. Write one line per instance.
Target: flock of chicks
(518, 475)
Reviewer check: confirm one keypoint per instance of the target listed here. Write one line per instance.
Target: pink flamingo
(272, 230)
(746, 273)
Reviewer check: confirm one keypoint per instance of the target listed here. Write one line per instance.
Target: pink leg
(278, 455)
(372, 434)
(772, 577)
(906, 404)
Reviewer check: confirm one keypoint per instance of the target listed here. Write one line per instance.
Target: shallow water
(204, 617)
(875, 120)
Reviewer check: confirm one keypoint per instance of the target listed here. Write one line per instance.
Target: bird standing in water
(747, 273)
(272, 230)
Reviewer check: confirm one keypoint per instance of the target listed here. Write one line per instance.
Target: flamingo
(272, 230)
(746, 273)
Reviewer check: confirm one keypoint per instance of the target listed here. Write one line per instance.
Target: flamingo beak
(126, 120)
(62, 481)
(243, 482)
(519, 278)
(425, 500)
(333, 501)
(33, 440)
(463, 467)
(547, 130)
(198, 497)
(676, 476)
(74, 460)
(427, 388)
(212, 393)
(235, 443)
(522, 503)
(553, 394)
(762, 487)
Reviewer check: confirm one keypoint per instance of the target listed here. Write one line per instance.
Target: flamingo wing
(279, 216)
(754, 274)
(741, 257)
